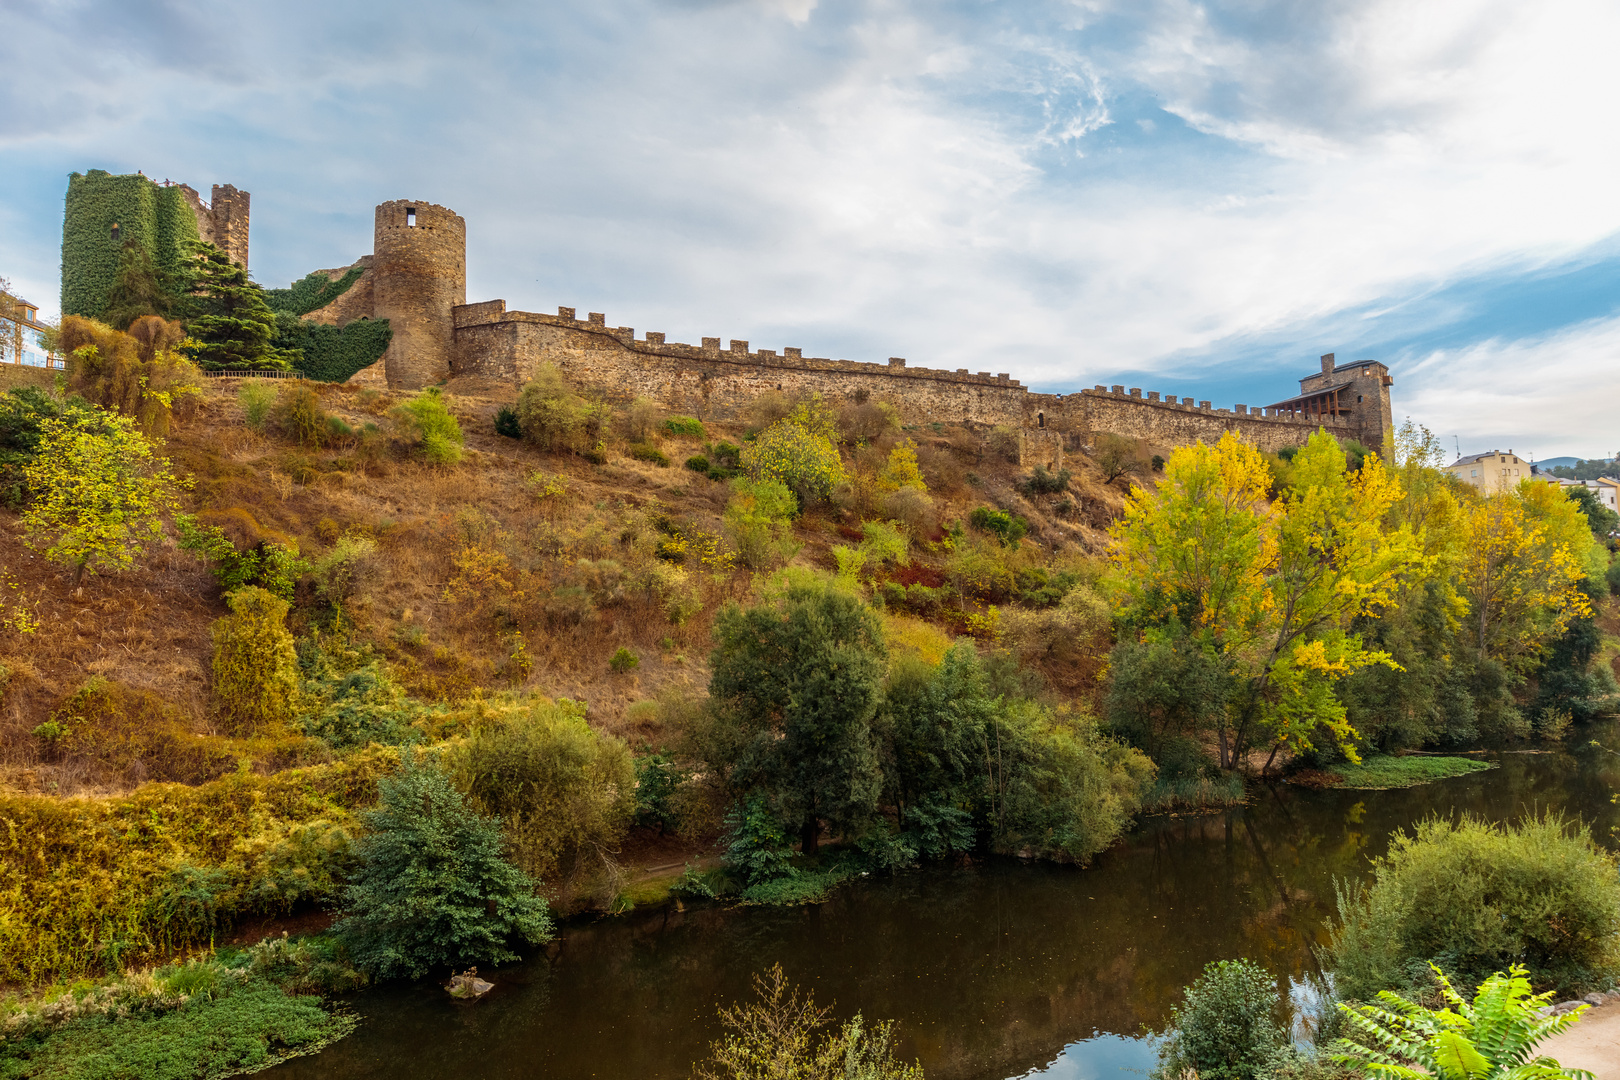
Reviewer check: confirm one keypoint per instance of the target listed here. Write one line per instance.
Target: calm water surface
(994, 970)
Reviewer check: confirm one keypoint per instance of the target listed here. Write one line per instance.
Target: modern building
(1491, 471)
(22, 335)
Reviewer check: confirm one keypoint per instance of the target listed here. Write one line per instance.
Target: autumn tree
(1526, 551)
(99, 494)
(800, 451)
(1271, 589)
(139, 373)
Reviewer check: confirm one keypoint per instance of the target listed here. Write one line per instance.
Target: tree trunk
(78, 576)
(810, 835)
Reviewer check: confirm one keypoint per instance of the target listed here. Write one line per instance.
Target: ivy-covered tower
(105, 211)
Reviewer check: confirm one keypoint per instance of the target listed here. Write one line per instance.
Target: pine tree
(234, 324)
(138, 291)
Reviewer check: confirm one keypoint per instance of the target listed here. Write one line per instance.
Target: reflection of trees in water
(991, 969)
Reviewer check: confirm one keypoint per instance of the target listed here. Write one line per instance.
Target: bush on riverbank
(1474, 898)
(804, 729)
(1226, 1027)
(432, 889)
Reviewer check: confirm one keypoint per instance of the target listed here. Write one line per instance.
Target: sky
(1191, 198)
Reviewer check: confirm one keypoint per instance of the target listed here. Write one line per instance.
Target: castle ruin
(416, 277)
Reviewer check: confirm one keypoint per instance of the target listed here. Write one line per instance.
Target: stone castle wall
(714, 383)
(225, 221)
(418, 275)
(706, 380)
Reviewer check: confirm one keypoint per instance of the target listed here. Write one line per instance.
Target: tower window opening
(410, 217)
(1040, 418)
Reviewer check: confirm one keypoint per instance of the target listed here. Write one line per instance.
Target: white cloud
(995, 187)
(1544, 397)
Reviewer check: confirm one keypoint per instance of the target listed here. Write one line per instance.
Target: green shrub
(658, 779)
(623, 661)
(255, 663)
(432, 890)
(757, 849)
(1041, 482)
(562, 790)
(235, 1024)
(689, 426)
(299, 415)
(1008, 528)
(649, 452)
(1226, 1027)
(256, 397)
(698, 463)
(437, 432)
(349, 699)
(757, 516)
(1475, 897)
(555, 418)
(506, 423)
(274, 567)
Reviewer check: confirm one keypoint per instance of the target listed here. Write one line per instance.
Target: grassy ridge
(1380, 773)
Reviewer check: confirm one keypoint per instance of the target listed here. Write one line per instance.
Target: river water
(995, 969)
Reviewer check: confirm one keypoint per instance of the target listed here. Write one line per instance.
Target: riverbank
(1383, 772)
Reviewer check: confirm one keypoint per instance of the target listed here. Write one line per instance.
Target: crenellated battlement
(656, 343)
(719, 377)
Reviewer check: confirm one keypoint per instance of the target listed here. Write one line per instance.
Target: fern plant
(1492, 1038)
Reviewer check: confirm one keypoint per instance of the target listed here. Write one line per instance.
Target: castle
(416, 278)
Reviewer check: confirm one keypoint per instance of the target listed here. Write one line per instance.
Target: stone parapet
(493, 312)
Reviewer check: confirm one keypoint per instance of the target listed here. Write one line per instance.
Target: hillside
(479, 581)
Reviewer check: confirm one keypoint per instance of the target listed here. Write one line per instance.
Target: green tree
(99, 491)
(138, 290)
(255, 662)
(795, 687)
(432, 889)
(1602, 521)
(1490, 1038)
(233, 325)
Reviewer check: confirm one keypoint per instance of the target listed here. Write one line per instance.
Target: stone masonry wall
(1170, 423)
(419, 274)
(711, 383)
(358, 301)
(705, 380)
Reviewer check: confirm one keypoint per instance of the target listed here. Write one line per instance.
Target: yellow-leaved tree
(99, 493)
(1525, 552)
(1266, 590)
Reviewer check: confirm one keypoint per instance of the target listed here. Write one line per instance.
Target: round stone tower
(419, 272)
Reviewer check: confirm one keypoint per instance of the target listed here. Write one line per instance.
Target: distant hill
(1554, 462)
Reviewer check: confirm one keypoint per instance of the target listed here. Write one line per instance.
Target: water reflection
(994, 969)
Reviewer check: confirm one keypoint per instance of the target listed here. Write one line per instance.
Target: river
(994, 969)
